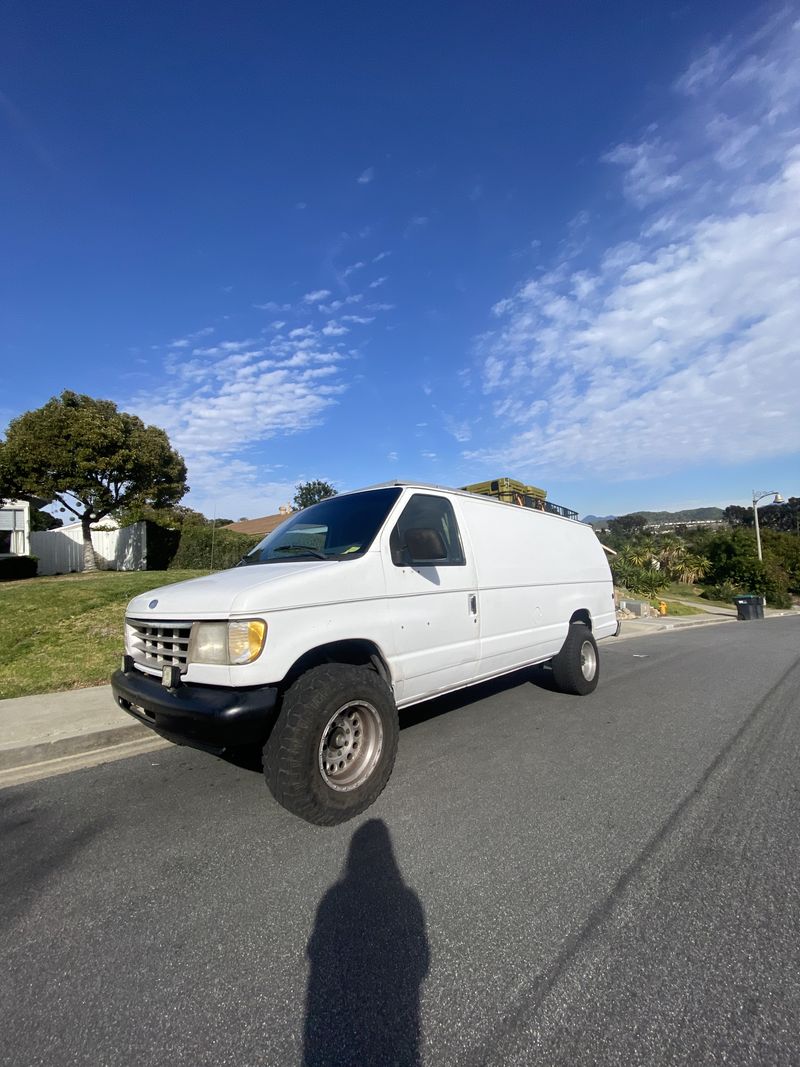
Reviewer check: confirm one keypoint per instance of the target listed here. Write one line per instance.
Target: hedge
(14, 567)
(195, 549)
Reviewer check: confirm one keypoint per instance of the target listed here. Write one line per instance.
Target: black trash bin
(749, 607)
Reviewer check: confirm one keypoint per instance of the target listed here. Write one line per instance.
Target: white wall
(15, 519)
(61, 551)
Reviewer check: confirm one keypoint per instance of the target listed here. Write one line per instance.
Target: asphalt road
(547, 880)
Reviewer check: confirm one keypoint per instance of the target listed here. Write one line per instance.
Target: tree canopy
(92, 459)
(309, 493)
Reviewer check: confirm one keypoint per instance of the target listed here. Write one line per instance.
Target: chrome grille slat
(160, 644)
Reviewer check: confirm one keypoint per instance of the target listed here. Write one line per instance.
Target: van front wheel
(576, 669)
(333, 746)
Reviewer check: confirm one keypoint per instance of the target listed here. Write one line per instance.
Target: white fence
(61, 551)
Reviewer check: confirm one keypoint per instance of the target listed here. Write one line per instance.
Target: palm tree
(691, 567)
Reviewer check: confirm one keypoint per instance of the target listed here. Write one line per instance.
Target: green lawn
(676, 608)
(65, 632)
(692, 594)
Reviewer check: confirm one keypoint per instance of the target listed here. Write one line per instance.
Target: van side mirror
(425, 546)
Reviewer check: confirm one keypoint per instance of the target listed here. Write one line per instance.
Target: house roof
(266, 524)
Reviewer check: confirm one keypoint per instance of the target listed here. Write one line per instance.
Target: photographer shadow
(368, 957)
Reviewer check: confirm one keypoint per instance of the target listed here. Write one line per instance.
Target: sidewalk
(59, 732)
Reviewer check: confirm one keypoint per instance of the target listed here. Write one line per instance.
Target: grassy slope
(674, 607)
(678, 590)
(65, 632)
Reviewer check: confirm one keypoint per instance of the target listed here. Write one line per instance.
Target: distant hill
(597, 520)
(655, 517)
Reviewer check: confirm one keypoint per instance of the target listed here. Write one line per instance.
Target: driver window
(428, 513)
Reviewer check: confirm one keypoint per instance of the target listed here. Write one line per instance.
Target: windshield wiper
(304, 550)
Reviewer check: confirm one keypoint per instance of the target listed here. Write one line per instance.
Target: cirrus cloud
(647, 358)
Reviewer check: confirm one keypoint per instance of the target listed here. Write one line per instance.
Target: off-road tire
(292, 753)
(576, 668)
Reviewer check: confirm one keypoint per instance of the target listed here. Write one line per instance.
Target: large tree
(309, 493)
(91, 458)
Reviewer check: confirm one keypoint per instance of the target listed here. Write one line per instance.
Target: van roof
(457, 492)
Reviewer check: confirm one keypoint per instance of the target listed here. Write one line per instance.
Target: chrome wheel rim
(351, 745)
(588, 660)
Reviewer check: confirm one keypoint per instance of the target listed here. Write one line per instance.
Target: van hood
(254, 589)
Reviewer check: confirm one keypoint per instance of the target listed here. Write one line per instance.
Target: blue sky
(359, 242)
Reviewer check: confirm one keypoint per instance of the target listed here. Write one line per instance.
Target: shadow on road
(540, 677)
(26, 871)
(368, 955)
(250, 757)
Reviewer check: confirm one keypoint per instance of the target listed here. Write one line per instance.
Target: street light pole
(760, 496)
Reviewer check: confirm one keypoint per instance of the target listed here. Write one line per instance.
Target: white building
(15, 528)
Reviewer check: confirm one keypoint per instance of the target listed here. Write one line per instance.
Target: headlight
(245, 640)
(238, 641)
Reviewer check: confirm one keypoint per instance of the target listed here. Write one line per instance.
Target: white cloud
(272, 306)
(189, 339)
(680, 344)
(366, 176)
(460, 429)
(360, 319)
(353, 268)
(224, 347)
(334, 329)
(316, 295)
(418, 222)
(378, 282)
(380, 256)
(648, 170)
(301, 205)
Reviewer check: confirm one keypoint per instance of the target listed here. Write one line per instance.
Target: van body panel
(507, 602)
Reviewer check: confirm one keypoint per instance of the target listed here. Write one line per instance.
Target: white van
(360, 605)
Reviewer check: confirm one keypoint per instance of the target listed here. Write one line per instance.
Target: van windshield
(340, 527)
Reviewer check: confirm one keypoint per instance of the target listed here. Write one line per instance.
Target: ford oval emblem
(153, 604)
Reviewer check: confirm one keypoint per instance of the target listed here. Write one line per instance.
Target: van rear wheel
(576, 668)
(333, 746)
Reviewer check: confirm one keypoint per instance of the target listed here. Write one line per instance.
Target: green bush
(162, 544)
(15, 567)
(722, 591)
(195, 548)
(734, 564)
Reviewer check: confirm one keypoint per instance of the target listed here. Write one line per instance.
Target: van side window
(433, 538)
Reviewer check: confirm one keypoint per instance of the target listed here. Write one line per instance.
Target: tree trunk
(89, 559)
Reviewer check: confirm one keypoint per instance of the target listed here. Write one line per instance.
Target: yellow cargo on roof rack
(508, 489)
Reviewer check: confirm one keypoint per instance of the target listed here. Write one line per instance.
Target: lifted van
(361, 605)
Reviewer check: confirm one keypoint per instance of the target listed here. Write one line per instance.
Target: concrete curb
(77, 744)
(32, 772)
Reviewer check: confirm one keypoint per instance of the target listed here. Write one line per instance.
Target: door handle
(473, 604)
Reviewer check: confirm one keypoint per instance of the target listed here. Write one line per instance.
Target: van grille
(160, 644)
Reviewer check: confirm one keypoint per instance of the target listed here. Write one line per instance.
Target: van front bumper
(202, 716)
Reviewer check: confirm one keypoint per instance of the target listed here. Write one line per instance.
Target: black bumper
(199, 715)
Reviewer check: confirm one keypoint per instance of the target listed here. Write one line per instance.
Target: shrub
(15, 567)
(195, 548)
(162, 544)
(722, 591)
